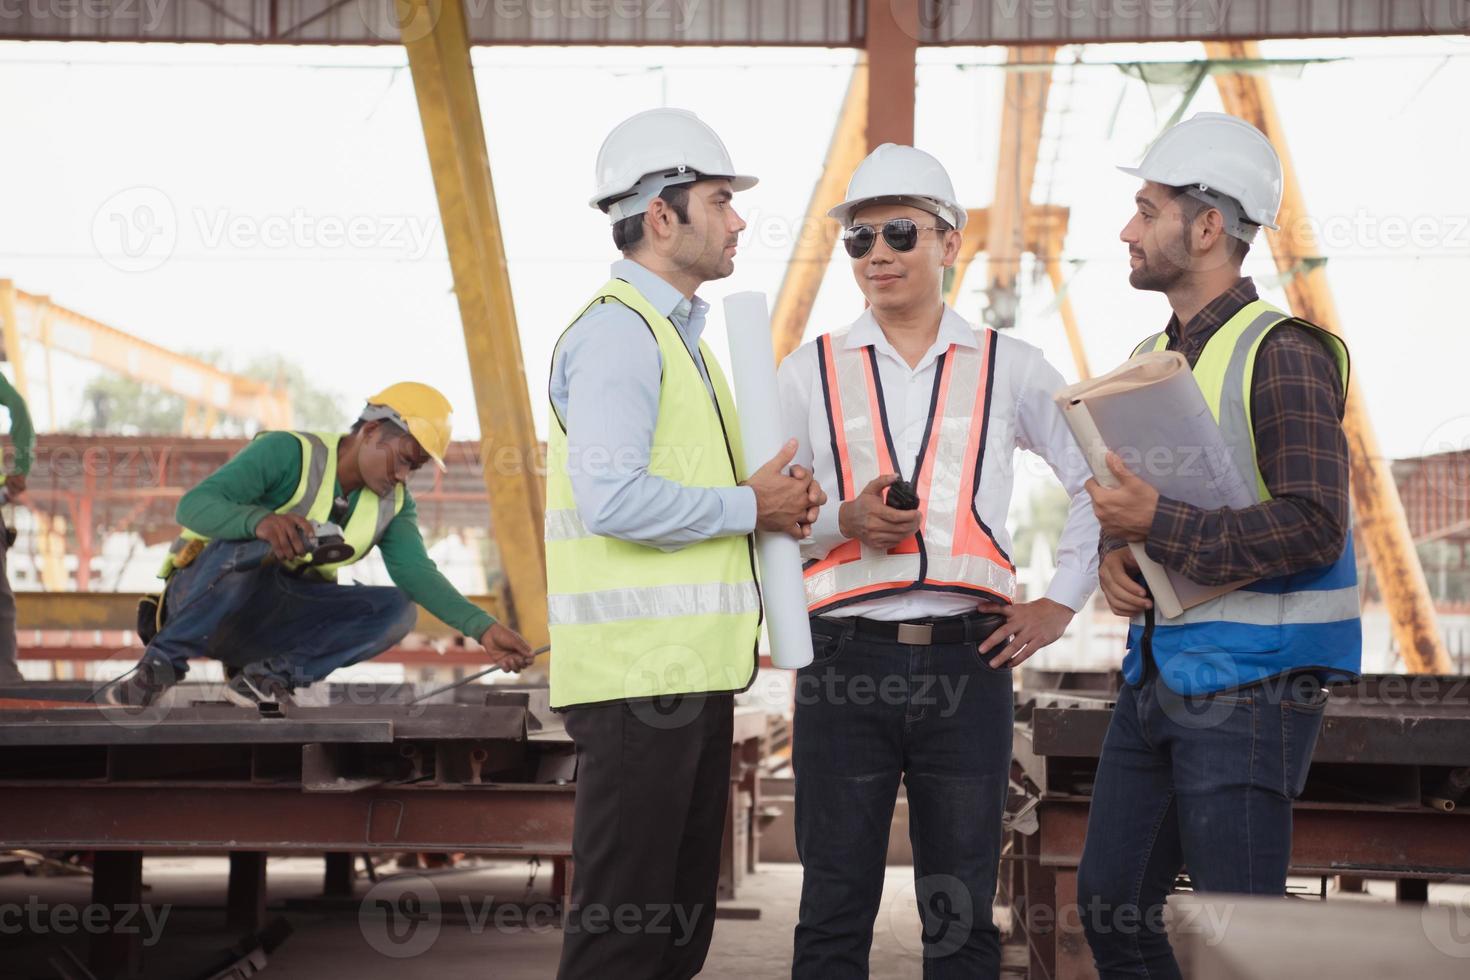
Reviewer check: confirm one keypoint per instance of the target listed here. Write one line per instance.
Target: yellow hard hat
(422, 410)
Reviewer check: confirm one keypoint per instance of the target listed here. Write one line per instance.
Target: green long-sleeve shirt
(230, 502)
(22, 433)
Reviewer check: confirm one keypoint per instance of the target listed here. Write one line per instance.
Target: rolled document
(753, 367)
(1150, 411)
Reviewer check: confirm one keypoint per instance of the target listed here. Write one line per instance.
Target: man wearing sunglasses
(653, 600)
(914, 414)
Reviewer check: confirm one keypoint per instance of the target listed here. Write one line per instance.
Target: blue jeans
(298, 629)
(868, 713)
(1204, 783)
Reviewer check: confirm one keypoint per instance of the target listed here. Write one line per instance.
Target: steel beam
(812, 23)
(489, 819)
(818, 233)
(419, 656)
(1405, 729)
(119, 611)
(155, 726)
(892, 45)
(438, 47)
(1379, 511)
(1044, 231)
(245, 895)
(117, 886)
(1326, 839)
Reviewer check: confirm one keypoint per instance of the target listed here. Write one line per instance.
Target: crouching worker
(253, 580)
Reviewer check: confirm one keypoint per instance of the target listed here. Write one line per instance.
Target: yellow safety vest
(312, 500)
(629, 621)
(1304, 620)
(1225, 371)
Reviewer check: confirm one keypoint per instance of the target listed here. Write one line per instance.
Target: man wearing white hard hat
(914, 415)
(653, 600)
(1213, 731)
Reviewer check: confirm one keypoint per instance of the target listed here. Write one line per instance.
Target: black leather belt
(971, 628)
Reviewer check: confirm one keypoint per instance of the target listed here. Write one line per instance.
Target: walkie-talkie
(902, 496)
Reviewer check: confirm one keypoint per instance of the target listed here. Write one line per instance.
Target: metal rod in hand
(473, 677)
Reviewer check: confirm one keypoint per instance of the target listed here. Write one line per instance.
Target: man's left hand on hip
(1029, 626)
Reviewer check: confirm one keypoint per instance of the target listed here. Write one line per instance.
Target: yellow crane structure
(207, 391)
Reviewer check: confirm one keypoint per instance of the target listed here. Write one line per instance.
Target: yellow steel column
(818, 233)
(972, 240)
(438, 46)
(44, 328)
(1069, 316)
(1023, 111)
(1380, 513)
(8, 313)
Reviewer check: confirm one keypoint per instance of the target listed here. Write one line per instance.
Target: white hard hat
(901, 175)
(656, 149)
(1219, 155)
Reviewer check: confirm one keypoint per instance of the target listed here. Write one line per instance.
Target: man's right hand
(869, 520)
(1115, 575)
(289, 535)
(782, 503)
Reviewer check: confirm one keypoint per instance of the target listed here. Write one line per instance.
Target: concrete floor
(495, 921)
(522, 942)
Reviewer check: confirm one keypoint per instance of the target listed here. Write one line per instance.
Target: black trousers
(653, 788)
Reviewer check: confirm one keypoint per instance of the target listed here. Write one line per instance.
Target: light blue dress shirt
(605, 380)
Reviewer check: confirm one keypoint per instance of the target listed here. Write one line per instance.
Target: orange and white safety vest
(953, 550)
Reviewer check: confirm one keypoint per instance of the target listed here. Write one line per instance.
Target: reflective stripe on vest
(1304, 619)
(657, 602)
(629, 621)
(953, 551)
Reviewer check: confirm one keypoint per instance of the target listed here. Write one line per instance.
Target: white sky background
(216, 146)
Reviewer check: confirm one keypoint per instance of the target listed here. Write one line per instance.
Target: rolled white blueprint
(753, 367)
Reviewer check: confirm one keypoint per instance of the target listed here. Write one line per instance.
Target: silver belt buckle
(915, 634)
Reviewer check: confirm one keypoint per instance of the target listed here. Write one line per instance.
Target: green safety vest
(313, 501)
(629, 621)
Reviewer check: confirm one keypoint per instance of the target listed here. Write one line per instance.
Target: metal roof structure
(809, 23)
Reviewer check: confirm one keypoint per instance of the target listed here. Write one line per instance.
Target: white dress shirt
(1022, 415)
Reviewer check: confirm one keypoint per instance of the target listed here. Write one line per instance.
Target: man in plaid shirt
(1212, 735)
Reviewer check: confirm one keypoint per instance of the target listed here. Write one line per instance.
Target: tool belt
(150, 616)
(190, 551)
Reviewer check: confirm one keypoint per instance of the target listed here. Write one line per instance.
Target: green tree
(124, 406)
(1046, 515)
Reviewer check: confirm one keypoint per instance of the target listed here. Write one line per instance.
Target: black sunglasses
(900, 234)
